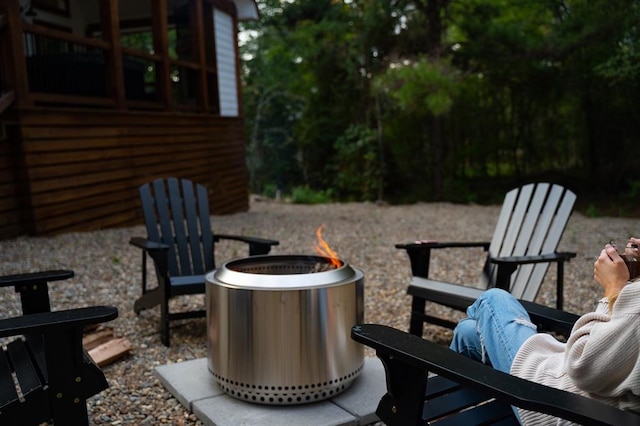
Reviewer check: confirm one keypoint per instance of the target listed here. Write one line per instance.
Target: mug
(630, 253)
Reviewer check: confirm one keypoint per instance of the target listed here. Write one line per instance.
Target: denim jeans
(495, 328)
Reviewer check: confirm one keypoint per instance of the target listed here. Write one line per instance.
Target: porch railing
(48, 66)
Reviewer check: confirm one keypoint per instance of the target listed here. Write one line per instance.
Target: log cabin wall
(82, 124)
(83, 168)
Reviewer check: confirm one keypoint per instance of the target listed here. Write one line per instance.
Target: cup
(630, 253)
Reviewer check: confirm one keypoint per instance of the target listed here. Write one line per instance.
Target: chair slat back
(178, 216)
(549, 245)
(531, 222)
(8, 393)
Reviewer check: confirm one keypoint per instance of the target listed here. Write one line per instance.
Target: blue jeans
(496, 327)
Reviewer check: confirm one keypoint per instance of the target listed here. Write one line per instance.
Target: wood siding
(79, 170)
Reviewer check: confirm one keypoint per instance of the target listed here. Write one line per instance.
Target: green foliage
(419, 98)
(306, 195)
(357, 170)
(270, 190)
(592, 211)
(423, 86)
(634, 190)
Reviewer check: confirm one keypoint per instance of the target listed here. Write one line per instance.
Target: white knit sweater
(600, 360)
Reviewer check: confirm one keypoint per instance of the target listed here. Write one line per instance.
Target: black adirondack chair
(46, 363)
(428, 384)
(180, 242)
(529, 228)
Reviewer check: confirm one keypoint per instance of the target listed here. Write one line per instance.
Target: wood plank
(79, 132)
(85, 220)
(79, 180)
(110, 351)
(74, 205)
(65, 36)
(87, 117)
(96, 338)
(53, 98)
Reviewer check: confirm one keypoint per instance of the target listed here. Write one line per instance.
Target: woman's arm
(603, 352)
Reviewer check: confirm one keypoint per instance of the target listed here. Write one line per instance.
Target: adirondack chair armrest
(158, 253)
(550, 319)
(508, 264)
(147, 245)
(419, 253)
(542, 258)
(30, 277)
(47, 321)
(34, 288)
(257, 246)
(407, 359)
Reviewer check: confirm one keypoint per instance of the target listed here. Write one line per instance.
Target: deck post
(13, 58)
(161, 46)
(113, 57)
(197, 30)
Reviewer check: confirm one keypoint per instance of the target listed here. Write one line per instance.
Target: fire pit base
(286, 395)
(280, 334)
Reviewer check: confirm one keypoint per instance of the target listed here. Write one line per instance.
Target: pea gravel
(107, 271)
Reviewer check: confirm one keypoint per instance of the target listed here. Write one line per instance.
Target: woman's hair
(612, 300)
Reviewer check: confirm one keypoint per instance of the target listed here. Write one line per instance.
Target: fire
(323, 249)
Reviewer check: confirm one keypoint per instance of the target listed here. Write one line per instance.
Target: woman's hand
(610, 271)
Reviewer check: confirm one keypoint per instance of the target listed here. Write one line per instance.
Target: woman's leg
(501, 326)
(467, 341)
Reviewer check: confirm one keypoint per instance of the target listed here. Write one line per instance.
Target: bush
(306, 195)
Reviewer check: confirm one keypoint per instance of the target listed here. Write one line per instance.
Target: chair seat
(449, 403)
(17, 363)
(452, 295)
(187, 284)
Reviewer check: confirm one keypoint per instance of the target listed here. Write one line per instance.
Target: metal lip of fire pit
(282, 272)
(278, 331)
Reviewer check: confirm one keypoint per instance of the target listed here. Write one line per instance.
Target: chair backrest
(176, 213)
(531, 222)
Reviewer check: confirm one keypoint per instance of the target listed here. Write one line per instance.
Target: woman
(601, 358)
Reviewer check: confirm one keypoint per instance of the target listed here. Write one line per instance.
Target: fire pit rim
(228, 277)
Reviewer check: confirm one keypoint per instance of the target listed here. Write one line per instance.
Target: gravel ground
(107, 271)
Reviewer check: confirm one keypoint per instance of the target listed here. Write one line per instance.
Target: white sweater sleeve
(603, 352)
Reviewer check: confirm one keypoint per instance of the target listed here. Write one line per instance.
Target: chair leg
(560, 286)
(404, 401)
(164, 321)
(68, 404)
(417, 312)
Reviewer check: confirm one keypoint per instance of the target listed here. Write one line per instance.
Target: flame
(323, 249)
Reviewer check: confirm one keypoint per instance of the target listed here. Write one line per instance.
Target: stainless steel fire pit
(279, 328)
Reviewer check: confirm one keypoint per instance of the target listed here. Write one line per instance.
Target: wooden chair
(45, 374)
(429, 384)
(181, 244)
(525, 239)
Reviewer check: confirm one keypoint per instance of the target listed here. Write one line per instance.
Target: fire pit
(278, 328)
